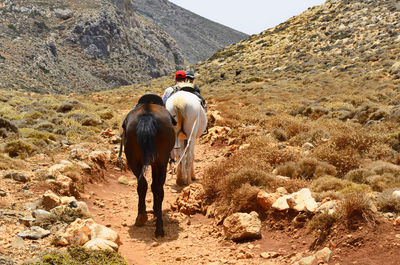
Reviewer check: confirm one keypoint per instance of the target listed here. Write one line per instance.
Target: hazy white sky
(248, 16)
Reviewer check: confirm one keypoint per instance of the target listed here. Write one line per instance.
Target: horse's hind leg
(141, 219)
(157, 187)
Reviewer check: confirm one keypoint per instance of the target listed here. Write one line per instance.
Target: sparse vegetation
(81, 255)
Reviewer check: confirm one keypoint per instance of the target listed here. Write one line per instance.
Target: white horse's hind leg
(190, 154)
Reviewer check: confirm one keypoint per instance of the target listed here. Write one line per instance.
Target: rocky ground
(112, 202)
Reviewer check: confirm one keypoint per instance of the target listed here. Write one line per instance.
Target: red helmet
(180, 74)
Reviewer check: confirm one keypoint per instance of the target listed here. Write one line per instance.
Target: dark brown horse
(148, 139)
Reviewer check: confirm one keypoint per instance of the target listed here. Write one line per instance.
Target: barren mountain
(80, 46)
(197, 37)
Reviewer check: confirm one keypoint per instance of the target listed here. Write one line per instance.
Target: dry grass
(322, 222)
(306, 168)
(387, 202)
(356, 207)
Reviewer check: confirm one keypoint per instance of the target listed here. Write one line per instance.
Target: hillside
(197, 37)
(75, 46)
(359, 39)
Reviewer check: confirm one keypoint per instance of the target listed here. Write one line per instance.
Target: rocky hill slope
(80, 46)
(198, 38)
(357, 38)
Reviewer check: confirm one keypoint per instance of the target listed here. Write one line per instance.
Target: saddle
(150, 99)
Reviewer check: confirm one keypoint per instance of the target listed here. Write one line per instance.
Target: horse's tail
(146, 132)
(179, 105)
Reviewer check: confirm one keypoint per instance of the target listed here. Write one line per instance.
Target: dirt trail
(188, 240)
(197, 240)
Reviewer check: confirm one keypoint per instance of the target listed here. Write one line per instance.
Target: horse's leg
(190, 158)
(180, 177)
(157, 187)
(141, 219)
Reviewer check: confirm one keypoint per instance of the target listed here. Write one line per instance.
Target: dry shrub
(382, 182)
(290, 125)
(279, 134)
(380, 151)
(334, 195)
(356, 207)
(238, 190)
(7, 162)
(379, 175)
(19, 148)
(343, 160)
(315, 137)
(244, 199)
(306, 168)
(328, 183)
(322, 222)
(358, 175)
(387, 202)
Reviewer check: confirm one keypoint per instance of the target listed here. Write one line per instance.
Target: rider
(190, 79)
(180, 76)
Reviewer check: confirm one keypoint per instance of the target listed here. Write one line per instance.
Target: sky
(248, 16)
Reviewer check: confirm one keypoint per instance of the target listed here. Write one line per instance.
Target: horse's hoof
(159, 233)
(141, 219)
(180, 182)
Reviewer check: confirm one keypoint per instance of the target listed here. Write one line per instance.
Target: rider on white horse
(184, 80)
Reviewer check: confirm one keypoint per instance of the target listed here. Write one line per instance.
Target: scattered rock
(26, 221)
(99, 157)
(103, 232)
(190, 201)
(306, 261)
(123, 180)
(50, 200)
(41, 215)
(64, 184)
(101, 244)
(327, 207)
(242, 226)
(35, 232)
(266, 200)
(57, 169)
(269, 255)
(396, 194)
(20, 177)
(307, 146)
(324, 255)
(77, 233)
(18, 242)
(299, 201)
(2, 193)
(63, 14)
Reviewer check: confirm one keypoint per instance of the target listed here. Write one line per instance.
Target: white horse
(191, 119)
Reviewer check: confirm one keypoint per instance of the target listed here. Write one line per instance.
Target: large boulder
(242, 226)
